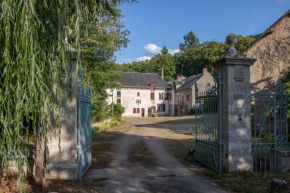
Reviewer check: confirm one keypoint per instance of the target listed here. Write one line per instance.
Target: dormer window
(152, 85)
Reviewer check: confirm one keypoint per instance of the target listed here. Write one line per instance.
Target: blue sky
(155, 23)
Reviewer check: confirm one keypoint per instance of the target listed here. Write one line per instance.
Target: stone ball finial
(232, 39)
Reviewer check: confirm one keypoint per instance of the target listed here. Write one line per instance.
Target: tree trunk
(39, 162)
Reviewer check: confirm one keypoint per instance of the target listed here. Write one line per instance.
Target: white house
(145, 94)
(142, 93)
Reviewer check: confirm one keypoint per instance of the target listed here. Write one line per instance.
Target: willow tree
(33, 64)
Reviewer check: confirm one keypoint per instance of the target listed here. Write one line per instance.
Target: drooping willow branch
(33, 65)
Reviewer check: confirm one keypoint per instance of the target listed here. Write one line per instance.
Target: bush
(118, 111)
(99, 110)
(104, 127)
(192, 111)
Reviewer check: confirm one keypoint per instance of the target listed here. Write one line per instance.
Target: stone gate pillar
(62, 142)
(236, 108)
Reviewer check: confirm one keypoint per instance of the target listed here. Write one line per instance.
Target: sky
(157, 23)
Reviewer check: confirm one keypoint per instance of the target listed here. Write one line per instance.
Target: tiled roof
(189, 82)
(141, 80)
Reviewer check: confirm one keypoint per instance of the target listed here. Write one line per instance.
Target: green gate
(208, 125)
(269, 128)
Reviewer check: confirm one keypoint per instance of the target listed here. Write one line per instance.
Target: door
(175, 110)
(143, 112)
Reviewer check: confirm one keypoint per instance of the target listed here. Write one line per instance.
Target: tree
(165, 61)
(164, 50)
(190, 57)
(33, 65)
(190, 42)
(98, 46)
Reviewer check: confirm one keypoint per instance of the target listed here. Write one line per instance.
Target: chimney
(178, 77)
(204, 70)
(160, 72)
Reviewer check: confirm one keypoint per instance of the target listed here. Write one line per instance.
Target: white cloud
(173, 51)
(143, 58)
(152, 49)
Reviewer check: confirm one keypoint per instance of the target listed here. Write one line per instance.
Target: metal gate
(269, 128)
(208, 125)
(84, 134)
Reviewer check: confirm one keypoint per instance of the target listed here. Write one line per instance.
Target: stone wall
(273, 56)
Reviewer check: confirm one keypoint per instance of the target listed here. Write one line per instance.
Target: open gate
(84, 134)
(208, 125)
(269, 128)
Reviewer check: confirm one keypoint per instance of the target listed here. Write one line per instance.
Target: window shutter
(159, 96)
(152, 96)
(134, 110)
(163, 107)
(138, 110)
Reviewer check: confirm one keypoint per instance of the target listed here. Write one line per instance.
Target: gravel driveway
(168, 176)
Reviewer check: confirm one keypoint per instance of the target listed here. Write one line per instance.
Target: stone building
(143, 94)
(185, 91)
(272, 51)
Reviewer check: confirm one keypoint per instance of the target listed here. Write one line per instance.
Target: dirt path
(168, 176)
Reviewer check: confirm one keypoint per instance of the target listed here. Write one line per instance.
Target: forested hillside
(193, 56)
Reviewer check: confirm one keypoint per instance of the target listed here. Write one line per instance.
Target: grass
(141, 156)
(105, 126)
(247, 182)
(178, 144)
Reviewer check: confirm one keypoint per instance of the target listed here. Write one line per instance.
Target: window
(138, 110)
(161, 96)
(177, 98)
(138, 101)
(138, 93)
(134, 110)
(208, 84)
(169, 96)
(119, 101)
(152, 96)
(118, 93)
(188, 97)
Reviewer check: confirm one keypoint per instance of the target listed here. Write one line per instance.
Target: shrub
(104, 127)
(192, 111)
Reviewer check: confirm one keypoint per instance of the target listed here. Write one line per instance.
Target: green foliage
(193, 56)
(150, 111)
(105, 126)
(99, 109)
(243, 42)
(164, 50)
(98, 45)
(192, 111)
(118, 110)
(165, 61)
(34, 67)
